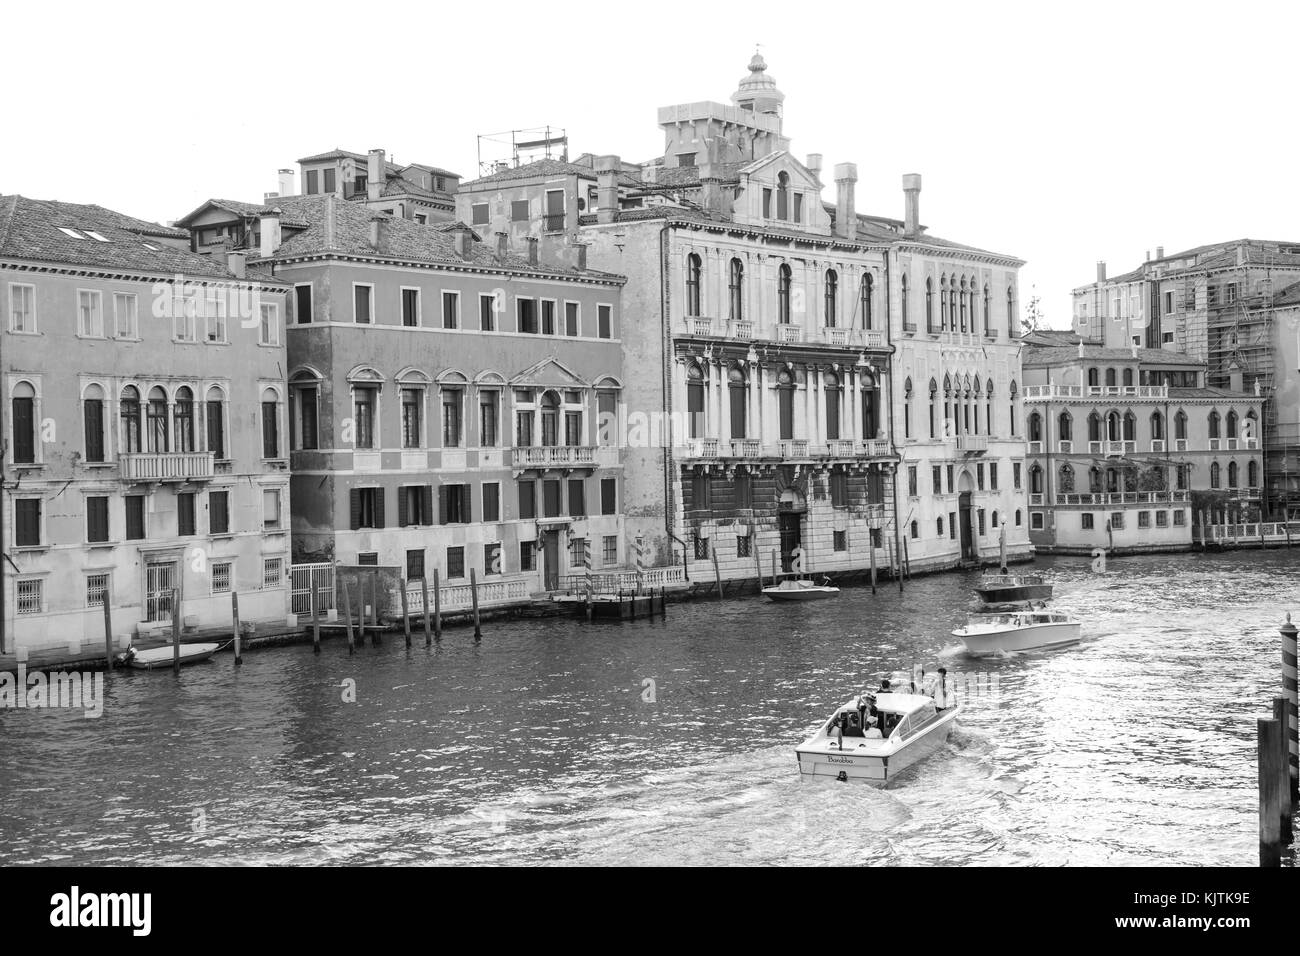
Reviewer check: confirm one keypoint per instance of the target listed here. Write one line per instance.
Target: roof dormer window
(70, 233)
(96, 236)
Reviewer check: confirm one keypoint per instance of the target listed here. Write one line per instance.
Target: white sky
(1057, 133)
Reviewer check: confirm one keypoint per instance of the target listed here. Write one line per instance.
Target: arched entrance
(966, 511)
(791, 507)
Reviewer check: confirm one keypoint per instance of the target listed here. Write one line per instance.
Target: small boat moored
(1013, 588)
(1018, 631)
(156, 657)
(801, 589)
(874, 739)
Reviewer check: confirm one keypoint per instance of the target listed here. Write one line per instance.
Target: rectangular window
(268, 329)
(126, 315)
(911, 481)
(329, 178)
(936, 479)
(767, 204)
(993, 475)
(1085, 521)
(93, 419)
(744, 544)
(302, 303)
(97, 518)
(367, 507)
(454, 504)
(577, 552)
(218, 512)
(551, 498)
(272, 573)
(313, 182)
(184, 318)
(363, 415)
(1036, 520)
(368, 559)
(798, 207)
(1015, 474)
(270, 429)
(493, 562)
(548, 317)
(455, 563)
(980, 515)
(604, 321)
(221, 577)
(952, 525)
(135, 517)
(362, 304)
(1162, 519)
(30, 596)
(487, 419)
(609, 550)
(1180, 518)
(527, 556)
(572, 325)
(1117, 520)
(839, 489)
(24, 430)
(701, 548)
(527, 315)
(491, 501)
(22, 307)
(96, 589)
(479, 214)
(577, 498)
(951, 483)
(519, 210)
(451, 418)
(414, 506)
(608, 496)
(528, 500)
(840, 538)
(415, 564)
(271, 509)
(411, 308)
(487, 313)
(1144, 519)
(979, 476)
(185, 525)
(451, 310)
(216, 321)
(412, 404)
(90, 312)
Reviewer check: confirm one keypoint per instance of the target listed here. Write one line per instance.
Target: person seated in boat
(852, 723)
(872, 731)
(943, 694)
(884, 687)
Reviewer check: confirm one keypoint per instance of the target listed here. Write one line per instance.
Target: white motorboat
(1013, 588)
(801, 589)
(156, 657)
(1018, 631)
(873, 740)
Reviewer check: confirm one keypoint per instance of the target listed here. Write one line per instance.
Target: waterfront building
(1232, 306)
(144, 427)
(1126, 446)
(444, 397)
(789, 346)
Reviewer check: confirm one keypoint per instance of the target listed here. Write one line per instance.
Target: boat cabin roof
(902, 703)
(1023, 617)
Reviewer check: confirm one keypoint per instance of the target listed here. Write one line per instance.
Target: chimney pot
(846, 213)
(269, 229)
(532, 251)
(286, 182)
(503, 245)
(582, 257)
(376, 230)
(814, 165)
(375, 175)
(237, 263)
(912, 197)
(607, 168)
(463, 239)
(1160, 252)
(1101, 270)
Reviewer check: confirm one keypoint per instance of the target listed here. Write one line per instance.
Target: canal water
(545, 743)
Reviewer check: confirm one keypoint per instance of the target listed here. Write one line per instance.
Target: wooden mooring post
(315, 620)
(347, 615)
(406, 617)
(424, 594)
(907, 561)
(758, 568)
(437, 605)
(1284, 776)
(1270, 795)
(374, 608)
(108, 630)
(473, 595)
(774, 576)
(717, 575)
(234, 618)
(872, 541)
(1292, 730)
(176, 632)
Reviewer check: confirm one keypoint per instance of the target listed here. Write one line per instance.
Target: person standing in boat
(944, 697)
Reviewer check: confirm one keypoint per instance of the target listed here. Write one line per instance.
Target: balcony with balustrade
(1112, 447)
(1044, 393)
(785, 450)
(972, 444)
(168, 466)
(1119, 498)
(747, 330)
(555, 456)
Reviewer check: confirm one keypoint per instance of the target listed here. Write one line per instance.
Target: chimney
(532, 251)
(375, 175)
(912, 196)
(582, 257)
(463, 238)
(814, 165)
(503, 245)
(607, 188)
(1160, 252)
(1236, 381)
(1101, 270)
(237, 263)
(376, 229)
(268, 224)
(330, 217)
(846, 212)
(286, 182)
(267, 197)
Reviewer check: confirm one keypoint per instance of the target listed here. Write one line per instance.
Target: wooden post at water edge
(473, 593)
(347, 613)
(176, 632)
(315, 618)
(108, 630)
(758, 568)
(234, 618)
(1284, 777)
(1292, 731)
(1270, 795)
(871, 541)
(406, 617)
(424, 604)
(717, 575)
(437, 605)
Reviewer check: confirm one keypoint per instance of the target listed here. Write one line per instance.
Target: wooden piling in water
(424, 594)
(374, 608)
(717, 575)
(1284, 776)
(234, 617)
(907, 561)
(406, 616)
(315, 620)
(774, 577)
(1291, 731)
(473, 594)
(872, 541)
(758, 568)
(108, 630)
(176, 632)
(347, 615)
(437, 606)
(1270, 797)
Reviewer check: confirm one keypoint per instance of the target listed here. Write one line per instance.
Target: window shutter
(402, 511)
(29, 522)
(24, 430)
(355, 505)
(94, 415)
(216, 435)
(98, 514)
(379, 508)
(426, 505)
(608, 493)
(442, 504)
(466, 503)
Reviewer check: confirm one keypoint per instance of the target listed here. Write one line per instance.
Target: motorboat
(874, 739)
(1013, 588)
(156, 657)
(1018, 631)
(799, 589)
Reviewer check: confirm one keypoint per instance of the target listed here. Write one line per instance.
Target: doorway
(789, 525)
(967, 537)
(551, 559)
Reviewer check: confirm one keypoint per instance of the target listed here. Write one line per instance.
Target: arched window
(304, 415)
(1017, 517)
(1232, 474)
(785, 386)
(736, 290)
(784, 280)
(1094, 427)
(994, 520)
(1180, 426)
(1214, 475)
(214, 418)
(1013, 407)
(870, 406)
(947, 406)
(934, 401)
(130, 414)
(1130, 426)
(1252, 474)
(23, 402)
(783, 196)
(1232, 425)
(92, 417)
(1110, 378)
(1011, 312)
(1035, 427)
(929, 305)
(551, 412)
(1065, 427)
(907, 409)
(157, 415)
(916, 531)
(1157, 426)
(902, 289)
(832, 293)
(952, 305)
(939, 525)
(963, 303)
(1094, 480)
(1128, 376)
(988, 410)
(694, 270)
(864, 293)
(694, 402)
(831, 388)
(270, 423)
(1094, 377)
(943, 304)
(988, 319)
(1214, 424)
(1180, 476)
(183, 415)
(1250, 428)
(975, 405)
(1066, 479)
(738, 393)
(1035, 480)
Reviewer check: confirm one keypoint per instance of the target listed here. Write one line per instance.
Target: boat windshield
(914, 721)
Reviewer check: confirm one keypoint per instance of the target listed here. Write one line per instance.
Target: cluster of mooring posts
(1228, 529)
(1279, 772)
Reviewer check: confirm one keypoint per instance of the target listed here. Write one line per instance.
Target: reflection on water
(1136, 746)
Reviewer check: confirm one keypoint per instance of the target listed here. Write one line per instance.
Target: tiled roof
(542, 167)
(1290, 295)
(399, 186)
(29, 230)
(1041, 355)
(245, 210)
(435, 170)
(399, 239)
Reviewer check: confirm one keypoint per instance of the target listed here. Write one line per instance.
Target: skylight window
(151, 248)
(71, 233)
(96, 236)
